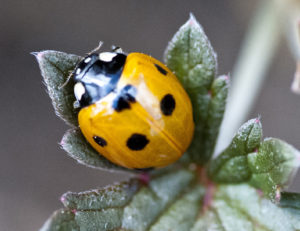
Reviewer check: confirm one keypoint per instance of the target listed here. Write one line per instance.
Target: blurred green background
(34, 171)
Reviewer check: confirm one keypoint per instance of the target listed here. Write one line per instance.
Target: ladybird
(133, 109)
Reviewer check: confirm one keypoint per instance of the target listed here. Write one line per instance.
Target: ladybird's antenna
(96, 48)
(67, 81)
(72, 72)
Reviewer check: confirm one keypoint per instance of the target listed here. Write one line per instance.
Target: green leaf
(231, 165)
(111, 196)
(182, 214)
(191, 57)
(216, 108)
(173, 202)
(75, 144)
(61, 220)
(129, 206)
(267, 165)
(78, 148)
(55, 68)
(240, 207)
(273, 166)
(151, 202)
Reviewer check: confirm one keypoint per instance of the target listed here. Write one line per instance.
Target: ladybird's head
(96, 76)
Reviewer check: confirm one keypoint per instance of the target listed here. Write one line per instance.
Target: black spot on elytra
(124, 98)
(99, 140)
(121, 104)
(160, 69)
(167, 104)
(137, 142)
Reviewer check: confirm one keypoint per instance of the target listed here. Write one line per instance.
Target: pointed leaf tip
(192, 20)
(55, 68)
(188, 49)
(34, 53)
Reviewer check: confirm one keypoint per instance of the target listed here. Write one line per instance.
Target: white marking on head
(100, 82)
(79, 90)
(87, 59)
(107, 56)
(78, 71)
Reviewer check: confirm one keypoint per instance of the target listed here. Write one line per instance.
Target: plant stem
(253, 62)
